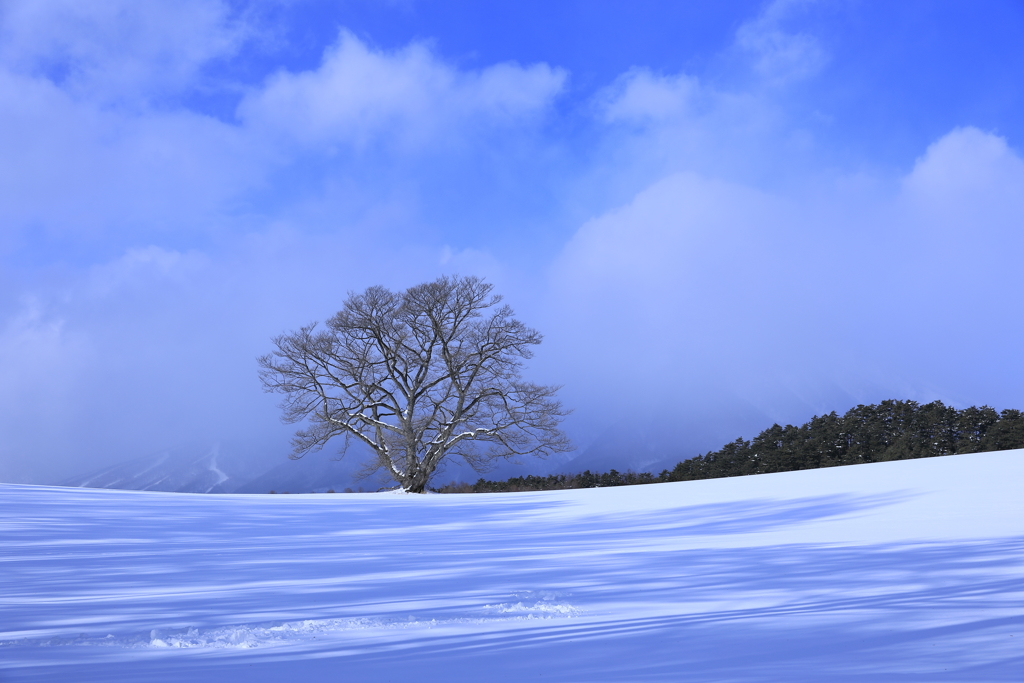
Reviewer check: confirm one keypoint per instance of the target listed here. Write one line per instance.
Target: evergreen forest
(890, 430)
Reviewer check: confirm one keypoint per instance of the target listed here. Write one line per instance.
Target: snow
(901, 571)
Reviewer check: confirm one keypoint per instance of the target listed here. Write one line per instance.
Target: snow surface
(901, 571)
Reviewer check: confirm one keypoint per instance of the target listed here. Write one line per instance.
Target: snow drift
(900, 571)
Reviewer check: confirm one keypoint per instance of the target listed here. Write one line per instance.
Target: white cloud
(71, 166)
(674, 281)
(640, 96)
(964, 175)
(142, 266)
(699, 287)
(117, 50)
(959, 218)
(29, 334)
(661, 124)
(777, 55)
(359, 95)
(664, 234)
(135, 175)
(42, 363)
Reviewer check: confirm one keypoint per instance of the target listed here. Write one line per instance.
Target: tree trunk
(416, 480)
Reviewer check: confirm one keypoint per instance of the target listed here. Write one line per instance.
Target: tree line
(890, 430)
(553, 482)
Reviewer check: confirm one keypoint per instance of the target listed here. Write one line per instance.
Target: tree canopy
(890, 430)
(417, 376)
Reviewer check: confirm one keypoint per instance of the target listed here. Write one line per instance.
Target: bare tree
(418, 376)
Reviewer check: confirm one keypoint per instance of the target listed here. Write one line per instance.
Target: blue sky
(720, 214)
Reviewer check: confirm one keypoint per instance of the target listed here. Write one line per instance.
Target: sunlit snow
(901, 571)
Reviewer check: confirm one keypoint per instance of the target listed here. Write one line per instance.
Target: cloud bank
(699, 264)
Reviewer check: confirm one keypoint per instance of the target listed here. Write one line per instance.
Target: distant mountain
(313, 473)
(321, 472)
(658, 442)
(619, 449)
(232, 469)
(182, 470)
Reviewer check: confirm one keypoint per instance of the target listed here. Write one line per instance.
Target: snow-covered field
(902, 571)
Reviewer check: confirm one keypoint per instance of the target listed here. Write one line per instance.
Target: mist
(701, 250)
